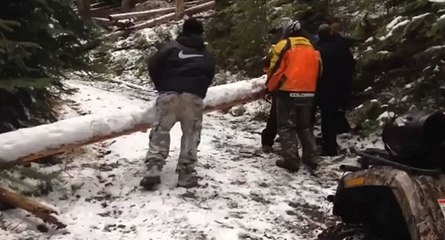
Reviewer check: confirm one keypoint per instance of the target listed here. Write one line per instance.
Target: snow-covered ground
(242, 194)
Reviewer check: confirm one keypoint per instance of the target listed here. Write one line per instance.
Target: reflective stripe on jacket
(294, 67)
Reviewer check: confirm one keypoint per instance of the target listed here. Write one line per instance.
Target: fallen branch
(30, 144)
(41, 211)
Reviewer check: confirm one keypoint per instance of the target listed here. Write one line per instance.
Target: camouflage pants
(294, 119)
(171, 108)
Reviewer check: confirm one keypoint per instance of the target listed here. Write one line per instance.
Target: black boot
(292, 166)
(152, 179)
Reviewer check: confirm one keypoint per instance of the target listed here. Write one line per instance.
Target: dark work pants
(333, 121)
(294, 122)
(270, 132)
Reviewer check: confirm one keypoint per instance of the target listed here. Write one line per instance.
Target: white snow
(441, 17)
(386, 115)
(394, 28)
(437, 1)
(242, 194)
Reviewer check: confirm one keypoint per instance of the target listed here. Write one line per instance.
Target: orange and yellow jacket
(295, 66)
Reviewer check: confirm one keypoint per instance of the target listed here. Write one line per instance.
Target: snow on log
(40, 210)
(29, 144)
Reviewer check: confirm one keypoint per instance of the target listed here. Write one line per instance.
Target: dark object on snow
(417, 140)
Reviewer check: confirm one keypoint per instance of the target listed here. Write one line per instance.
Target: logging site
(222, 119)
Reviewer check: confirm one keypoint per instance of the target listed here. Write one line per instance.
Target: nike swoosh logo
(181, 55)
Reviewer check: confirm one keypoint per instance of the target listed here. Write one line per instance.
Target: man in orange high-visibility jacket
(294, 70)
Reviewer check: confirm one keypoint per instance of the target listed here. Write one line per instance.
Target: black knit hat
(192, 26)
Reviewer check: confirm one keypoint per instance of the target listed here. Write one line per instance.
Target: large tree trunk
(34, 143)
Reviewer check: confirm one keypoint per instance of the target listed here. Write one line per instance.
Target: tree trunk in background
(84, 7)
(179, 9)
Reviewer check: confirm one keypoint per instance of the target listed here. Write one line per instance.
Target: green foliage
(39, 39)
(29, 180)
(238, 34)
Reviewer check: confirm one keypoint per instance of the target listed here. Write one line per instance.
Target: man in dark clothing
(269, 133)
(181, 71)
(335, 86)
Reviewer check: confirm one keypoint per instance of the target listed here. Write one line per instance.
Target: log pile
(115, 18)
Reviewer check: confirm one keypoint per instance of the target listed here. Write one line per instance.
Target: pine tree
(39, 40)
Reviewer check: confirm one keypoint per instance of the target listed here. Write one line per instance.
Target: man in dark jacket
(181, 71)
(335, 86)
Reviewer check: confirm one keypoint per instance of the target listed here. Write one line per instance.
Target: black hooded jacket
(338, 67)
(182, 66)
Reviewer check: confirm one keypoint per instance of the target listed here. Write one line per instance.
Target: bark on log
(141, 14)
(41, 211)
(20, 146)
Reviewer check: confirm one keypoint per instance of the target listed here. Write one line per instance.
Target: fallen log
(141, 14)
(30, 144)
(38, 209)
